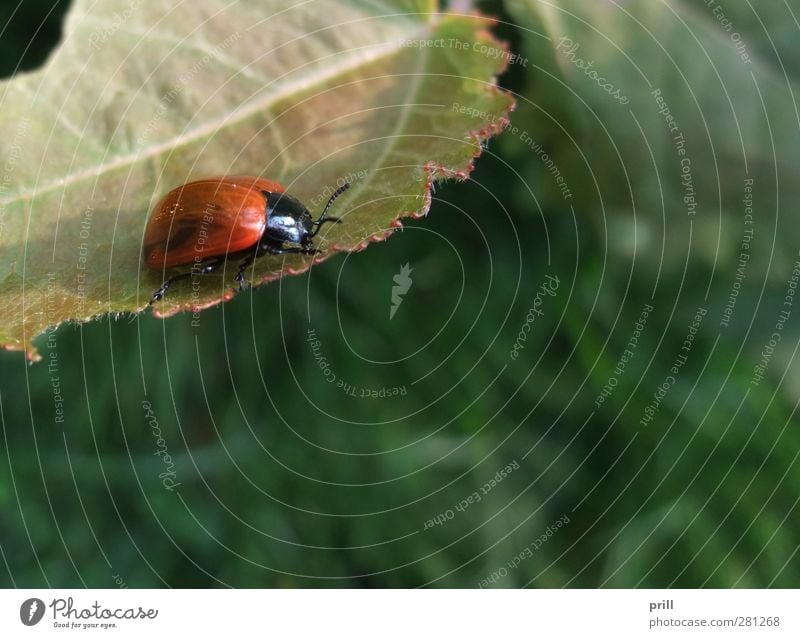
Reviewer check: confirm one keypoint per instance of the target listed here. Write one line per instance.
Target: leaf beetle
(205, 223)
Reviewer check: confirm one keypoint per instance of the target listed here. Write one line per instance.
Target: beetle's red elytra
(204, 223)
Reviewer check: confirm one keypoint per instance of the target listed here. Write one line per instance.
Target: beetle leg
(210, 266)
(265, 248)
(203, 270)
(159, 294)
(239, 278)
(271, 249)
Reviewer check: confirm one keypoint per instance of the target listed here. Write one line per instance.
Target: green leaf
(140, 98)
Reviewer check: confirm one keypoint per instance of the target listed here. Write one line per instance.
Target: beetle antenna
(322, 218)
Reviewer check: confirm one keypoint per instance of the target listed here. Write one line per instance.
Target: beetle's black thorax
(288, 220)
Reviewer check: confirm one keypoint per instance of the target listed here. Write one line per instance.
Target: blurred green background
(289, 480)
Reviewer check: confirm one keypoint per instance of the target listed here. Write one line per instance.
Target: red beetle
(207, 222)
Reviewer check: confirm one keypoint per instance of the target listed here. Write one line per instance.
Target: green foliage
(287, 479)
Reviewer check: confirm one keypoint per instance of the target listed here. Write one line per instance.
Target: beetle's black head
(288, 220)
